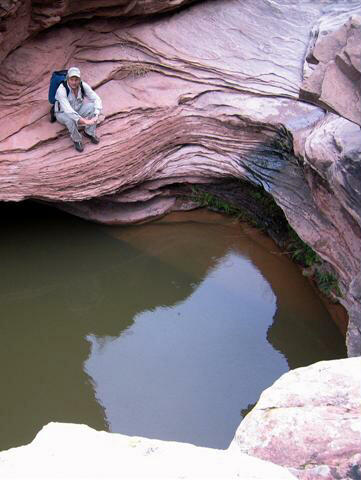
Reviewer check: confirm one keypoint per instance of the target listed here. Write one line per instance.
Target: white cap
(73, 72)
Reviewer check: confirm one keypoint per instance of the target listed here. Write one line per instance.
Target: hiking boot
(94, 139)
(79, 147)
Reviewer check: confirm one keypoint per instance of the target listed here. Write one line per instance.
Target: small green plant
(258, 208)
(256, 195)
(206, 199)
(300, 251)
(327, 283)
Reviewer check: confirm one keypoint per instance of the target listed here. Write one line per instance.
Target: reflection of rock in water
(180, 242)
(63, 280)
(76, 263)
(302, 329)
(302, 342)
(57, 286)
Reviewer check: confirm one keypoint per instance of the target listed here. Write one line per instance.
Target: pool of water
(169, 330)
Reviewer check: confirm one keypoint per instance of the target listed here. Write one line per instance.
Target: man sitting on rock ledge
(71, 110)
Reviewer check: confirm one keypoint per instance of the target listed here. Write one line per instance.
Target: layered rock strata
(198, 96)
(332, 71)
(21, 19)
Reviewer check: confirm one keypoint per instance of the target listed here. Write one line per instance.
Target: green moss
(300, 251)
(206, 199)
(267, 208)
(304, 255)
(327, 283)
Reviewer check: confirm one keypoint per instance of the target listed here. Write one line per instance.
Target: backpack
(57, 78)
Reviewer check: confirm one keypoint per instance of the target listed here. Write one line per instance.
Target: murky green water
(168, 330)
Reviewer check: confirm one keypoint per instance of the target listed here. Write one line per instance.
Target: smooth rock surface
(309, 421)
(333, 65)
(76, 451)
(20, 19)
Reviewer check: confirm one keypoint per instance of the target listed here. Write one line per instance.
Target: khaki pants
(87, 111)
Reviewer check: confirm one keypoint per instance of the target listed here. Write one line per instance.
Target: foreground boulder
(309, 421)
(77, 451)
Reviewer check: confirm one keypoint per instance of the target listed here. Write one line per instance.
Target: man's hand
(88, 121)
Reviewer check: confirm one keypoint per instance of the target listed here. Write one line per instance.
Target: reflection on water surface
(167, 330)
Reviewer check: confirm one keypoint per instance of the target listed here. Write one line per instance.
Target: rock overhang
(198, 96)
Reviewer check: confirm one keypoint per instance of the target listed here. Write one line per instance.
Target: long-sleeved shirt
(70, 104)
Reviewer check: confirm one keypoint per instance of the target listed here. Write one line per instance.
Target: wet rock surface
(309, 421)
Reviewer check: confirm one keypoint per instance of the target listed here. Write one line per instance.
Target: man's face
(74, 82)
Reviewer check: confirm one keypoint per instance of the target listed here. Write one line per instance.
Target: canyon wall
(267, 92)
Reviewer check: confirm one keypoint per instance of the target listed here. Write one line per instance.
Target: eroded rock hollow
(266, 91)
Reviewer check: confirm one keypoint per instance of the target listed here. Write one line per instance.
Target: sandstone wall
(21, 19)
(218, 90)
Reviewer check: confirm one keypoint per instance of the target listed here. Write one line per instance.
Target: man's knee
(64, 119)
(87, 110)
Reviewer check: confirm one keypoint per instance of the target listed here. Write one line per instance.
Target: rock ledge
(76, 451)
